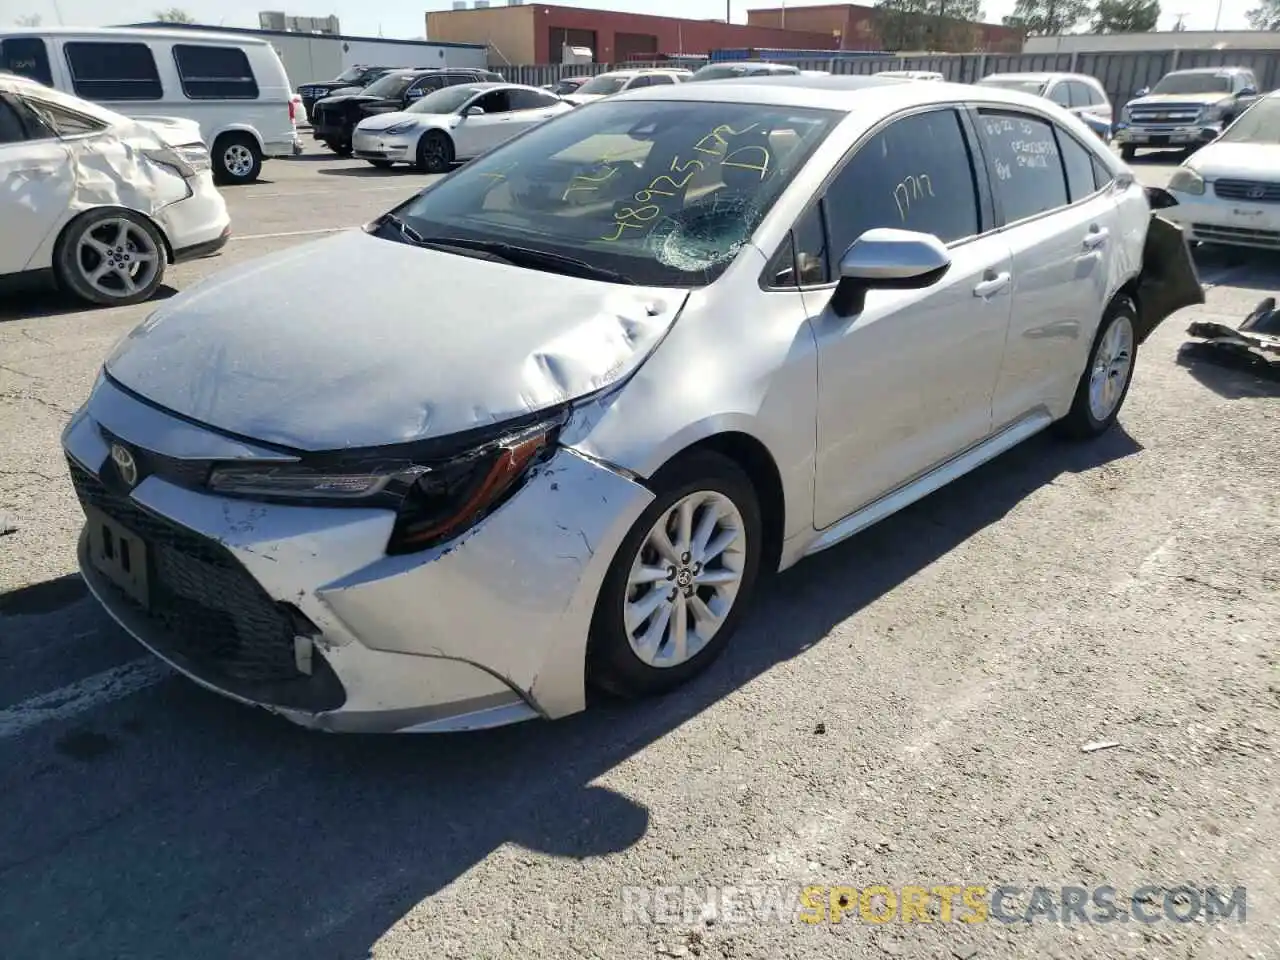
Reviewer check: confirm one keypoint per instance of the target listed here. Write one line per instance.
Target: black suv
(350, 80)
(335, 118)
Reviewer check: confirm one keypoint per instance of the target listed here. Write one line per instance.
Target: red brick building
(537, 33)
(865, 28)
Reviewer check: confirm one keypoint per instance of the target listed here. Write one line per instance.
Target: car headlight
(434, 500)
(1124, 115)
(397, 128)
(1186, 180)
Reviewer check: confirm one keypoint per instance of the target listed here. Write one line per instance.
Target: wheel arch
(751, 456)
(232, 128)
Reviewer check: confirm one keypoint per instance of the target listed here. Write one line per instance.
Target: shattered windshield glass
(662, 193)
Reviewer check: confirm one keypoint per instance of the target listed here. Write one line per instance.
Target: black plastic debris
(1254, 346)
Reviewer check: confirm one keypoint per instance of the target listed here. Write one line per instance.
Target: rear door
(479, 134)
(906, 384)
(1060, 227)
(36, 185)
(530, 108)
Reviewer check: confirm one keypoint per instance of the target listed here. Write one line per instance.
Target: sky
(405, 18)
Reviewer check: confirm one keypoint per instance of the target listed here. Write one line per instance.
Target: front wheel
(1128, 153)
(677, 587)
(1102, 388)
(110, 257)
(237, 158)
(435, 152)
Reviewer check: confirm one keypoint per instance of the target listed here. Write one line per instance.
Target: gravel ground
(906, 709)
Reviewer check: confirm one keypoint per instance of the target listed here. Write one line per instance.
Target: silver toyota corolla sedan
(547, 423)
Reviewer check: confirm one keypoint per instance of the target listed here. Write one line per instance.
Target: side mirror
(1247, 92)
(1160, 198)
(474, 111)
(1143, 92)
(887, 259)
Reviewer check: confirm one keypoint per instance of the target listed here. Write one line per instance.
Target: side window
(27, 57)
(637, 82)
(423, 87)
(1102, 176)
(803, 260)
(1026, 171)
(526, 100)
(916, 174)
(63, 122)
(214, 73)
(12, 129)
(496, 102)
(113, 71)
(1078, 92)
(1096, 96)
(657, 79)
(1078, 163)
(1061, 94)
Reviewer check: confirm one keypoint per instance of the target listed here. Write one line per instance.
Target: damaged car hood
(293, 349)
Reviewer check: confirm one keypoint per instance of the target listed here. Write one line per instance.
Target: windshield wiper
(407, 232)
(528, 257)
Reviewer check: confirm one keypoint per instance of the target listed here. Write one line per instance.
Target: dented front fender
(1169, 280)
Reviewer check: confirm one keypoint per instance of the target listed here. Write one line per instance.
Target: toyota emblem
(1256, 193)
(126, 466)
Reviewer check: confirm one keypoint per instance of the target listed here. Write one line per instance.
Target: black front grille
(211, 612)
(1255, 191)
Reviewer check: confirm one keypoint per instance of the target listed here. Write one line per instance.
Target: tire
(237, 158)
(1128, 153)
(435, 152)
(613, 665)
(341, 147)
(100, 257)
(1088, 419)
(380, 164)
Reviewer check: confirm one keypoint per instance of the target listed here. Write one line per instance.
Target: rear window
(113, 71)
(214, 73)
(27, 57)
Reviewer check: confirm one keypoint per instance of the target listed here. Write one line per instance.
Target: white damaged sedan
(592, 386)
(454, 124)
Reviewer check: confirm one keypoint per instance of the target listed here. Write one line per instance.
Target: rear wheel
(1102, 388)
(435, 152)
(680, 581)
(110, 257)
(237, 158)
(339, 147)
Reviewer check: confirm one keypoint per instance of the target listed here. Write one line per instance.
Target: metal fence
(1121, 74)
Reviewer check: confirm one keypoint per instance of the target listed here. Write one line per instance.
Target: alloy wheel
(1112, 366)
(685, 579)
(238, 160)
(117, 257)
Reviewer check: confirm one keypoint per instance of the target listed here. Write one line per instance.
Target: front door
(482, 132)
(907, 384)
(36, 184)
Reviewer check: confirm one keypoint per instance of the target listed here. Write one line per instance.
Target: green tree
(1125, 16)
(174, 15)
(1038, 18)
(1266, 16)
(29, 20)
(927, 24)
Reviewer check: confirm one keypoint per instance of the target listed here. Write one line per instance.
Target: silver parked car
(595, 384)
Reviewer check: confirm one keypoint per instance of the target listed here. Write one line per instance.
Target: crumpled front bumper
(487, 630)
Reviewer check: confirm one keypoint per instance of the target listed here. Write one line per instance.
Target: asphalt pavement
(906, 709)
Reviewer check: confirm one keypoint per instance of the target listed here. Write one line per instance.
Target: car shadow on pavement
(36, 303)
(1230, 382)
(368, 171)
(198, 828)
(1240, 267)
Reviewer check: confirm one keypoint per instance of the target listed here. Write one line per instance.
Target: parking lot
(906, 709)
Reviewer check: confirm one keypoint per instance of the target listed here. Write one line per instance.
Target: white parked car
(96, 201)
(233, 86)
(616, 81)
(1229, 191)
(454, 124)
(1080, 93)
(594, 385)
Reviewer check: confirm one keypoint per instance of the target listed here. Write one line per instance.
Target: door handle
(1096, 238)
(992, 283)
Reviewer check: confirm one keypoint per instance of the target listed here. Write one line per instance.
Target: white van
(235, 87)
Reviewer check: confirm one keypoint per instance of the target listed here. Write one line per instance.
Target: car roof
(1213, 70)
(18, 84)
(842, 92)
(157, 33)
